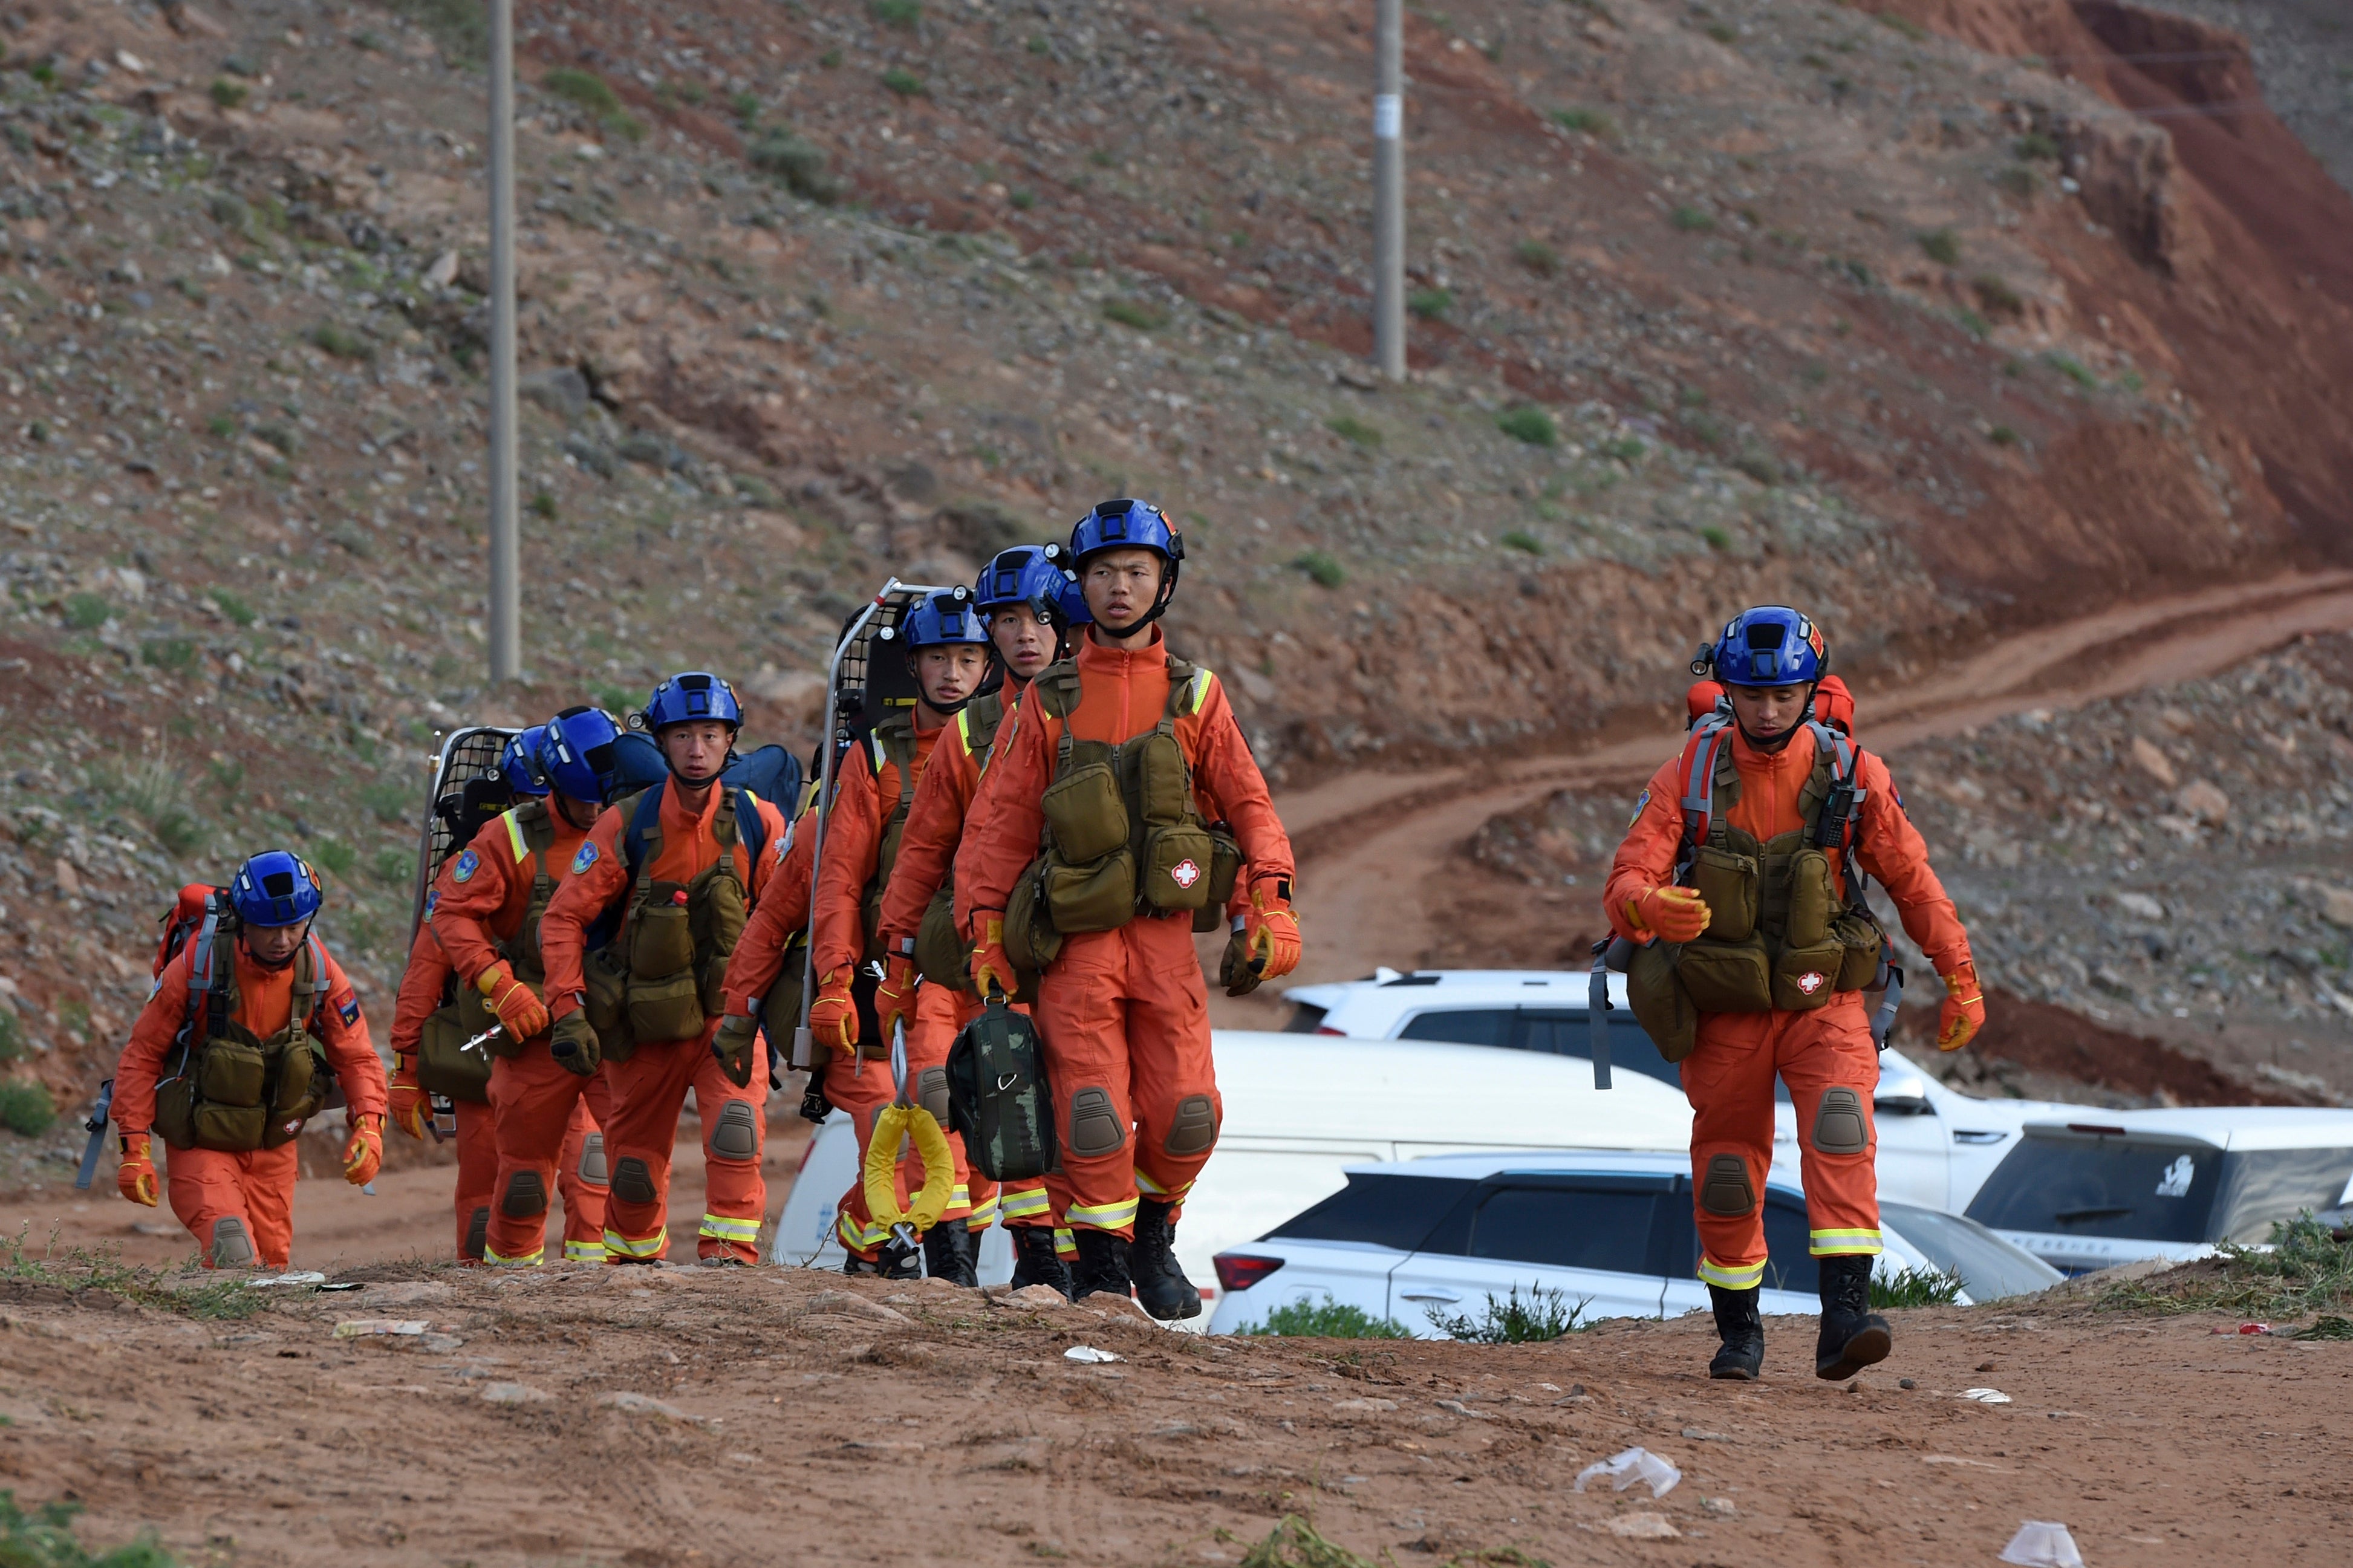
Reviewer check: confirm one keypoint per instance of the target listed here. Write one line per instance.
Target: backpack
(999, 1097)
(186, 919)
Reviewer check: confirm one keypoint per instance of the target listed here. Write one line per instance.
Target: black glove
(574, 1044)
(1240, 970)
(732, 1047)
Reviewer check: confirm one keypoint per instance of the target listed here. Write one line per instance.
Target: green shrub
(1348, 427)
(389, 801)
(1592, 122)
(1691, 220)
(175, 654)
(1998, 297)
(797, 161)
(1546, 1314)
(88, 612)
(899, 12)
(746, 106)
(1328, 1319)
(586, 88)
(1916, 1288)
(1320, 567)
(227, 776)
(337, 856)
(1759, 465)
(1976, 326)
(394, 867)
(1716, 538)
(2002, 436)
(1429, 304)
(2072, 369)
(26, 1108)
(1038, 46)
(12, 1039)
(180, 834)
(230, 94)
(1537, 257)
(1904, 24)
(1529, 424)
(46, 1540)
(1722, 32)
(903, 82)
(1521, 540)
(1941, 245)
(1131, 313)
(1625, 449)
(238, 612)
(2035, 147)
(222, 426)
(543, 506)
(342, 342)
(830, 59)
(1023, 198)
(2020, 181)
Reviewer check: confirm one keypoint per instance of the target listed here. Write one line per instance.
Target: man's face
(1769, 712)
(581, 814)
(1120, 586)
(950, 673)
(273, 945)
(696, 750)
(1024, 639)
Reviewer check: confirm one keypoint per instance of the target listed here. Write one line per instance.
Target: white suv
(1410, 1239)
(1936, 1147)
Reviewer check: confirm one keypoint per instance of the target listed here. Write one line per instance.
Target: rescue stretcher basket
(466, 793)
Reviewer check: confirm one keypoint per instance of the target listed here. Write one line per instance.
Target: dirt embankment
(670, 1417)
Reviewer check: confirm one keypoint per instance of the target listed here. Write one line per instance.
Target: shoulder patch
(1640, 806)
(586, 858)
(432, 899)
(349, 1010)
(466, 865)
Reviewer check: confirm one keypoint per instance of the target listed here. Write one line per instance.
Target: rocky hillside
(1712, 303)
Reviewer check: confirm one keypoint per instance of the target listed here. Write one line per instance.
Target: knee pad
(931, 1093)
(592, 1160)
(1725, 1189)
(478, 1234)
(737, 1134)
(232, 1245)
(1195, 1129)
(526, 1195)
(1839, 1124)
(1095, 1127)
(633, 1183)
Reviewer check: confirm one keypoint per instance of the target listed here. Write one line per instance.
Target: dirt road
(678, 1417)
(1370, 843)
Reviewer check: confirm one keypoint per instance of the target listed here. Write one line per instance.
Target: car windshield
(2136, 1188)
(1988, 1267)
(1384, 1210)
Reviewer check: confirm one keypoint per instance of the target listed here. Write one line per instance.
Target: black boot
(949, 1254)
(1035, 1261)
(894, 1262)
(1742, 1331)
(1161, 1287)
(1854, 1336)
(1103, 1264)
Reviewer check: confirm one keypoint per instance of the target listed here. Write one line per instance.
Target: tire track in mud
(1369, 843)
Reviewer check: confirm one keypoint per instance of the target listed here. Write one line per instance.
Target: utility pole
(1388, 189)
(506, 586)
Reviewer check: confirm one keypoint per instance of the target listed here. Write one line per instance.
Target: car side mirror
(1902, 1094)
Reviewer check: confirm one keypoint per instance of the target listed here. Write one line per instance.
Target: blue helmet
(519, 763)
(1771, 645)
(575, 753)
(1131, 525)
(1027, 575)
(696, 694)
(275, 888)
(939, 619)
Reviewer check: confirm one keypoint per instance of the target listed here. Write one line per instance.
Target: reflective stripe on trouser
(723, 1229)
(863, 1089)
(543, 1114)
(1124, 1018)
(1728, 1079)
(1842, 1243)
(1024, 1205)
(528, 1260)
(1066, 1242)
(1732, 1277)
(205, 1186)
(649, 1092)
(478, 1167)
(584, 1251)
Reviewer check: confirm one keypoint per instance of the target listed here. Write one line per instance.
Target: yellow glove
(522, 1013)
(136, 1179)
(411, 1106)
(1963, 1012)
(894, 999)
(1271, 929)
(990, 964)
(833, 1017)
(364, 1155)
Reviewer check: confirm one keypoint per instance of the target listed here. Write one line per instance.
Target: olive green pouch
(1177, 862)
(1660, 1005)
(1865, 946)
(1726, 882)
(940, 954)
(661, 936)
(1811, 903)
(232, 1071)
(1807, 977)
(1225, 871)
(231, 1129)
(175, 1112)
(1725, 976)
(1031, 940)
(1163, 785)
(664, 1010)
(1085, 814)
(715, 912)
(442, 1068)
(1097, 896)
(780, 1013)
(606, 1003)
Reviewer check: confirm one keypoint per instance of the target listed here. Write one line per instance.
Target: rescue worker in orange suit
(1121, 1007)
(268, 983)
(489, 909)
(1719, 867)
(947, 648)
(673, 869)
(1025, 599)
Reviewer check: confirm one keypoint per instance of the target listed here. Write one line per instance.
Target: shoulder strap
(210, 972)
(1709, 740)
(751, 825)
(309, 998)
(977, 723)
(894, 742)
(641, 835)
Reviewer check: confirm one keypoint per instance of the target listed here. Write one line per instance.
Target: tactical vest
(228, 1088)
(665, 975)
(1780, 936)
(892, 741)
(443, 1066)
(1122, 836)
(940, 950)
